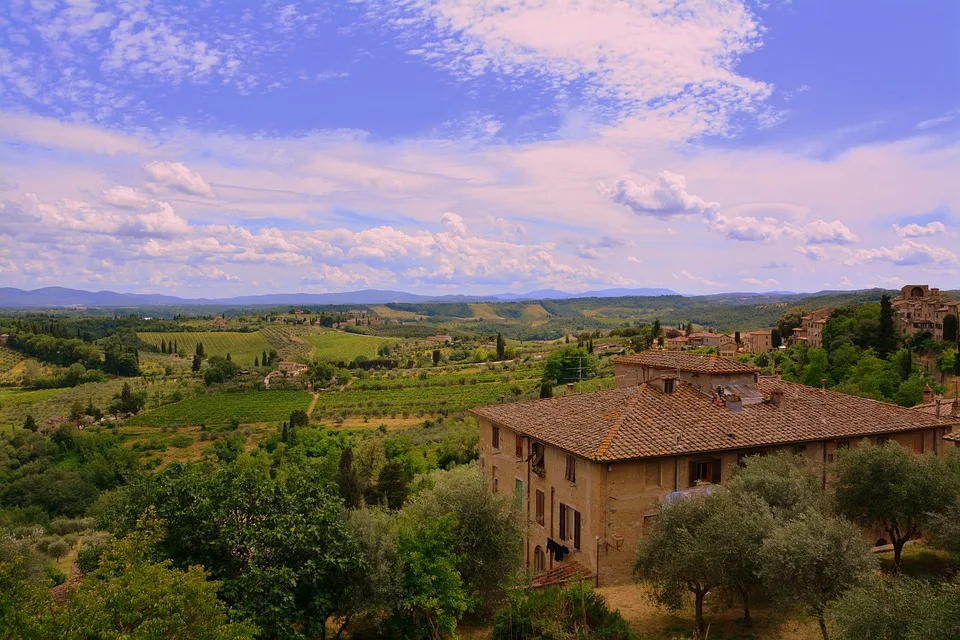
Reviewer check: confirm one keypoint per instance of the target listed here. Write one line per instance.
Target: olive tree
(812, 559)
(923, 610)
(892, 489)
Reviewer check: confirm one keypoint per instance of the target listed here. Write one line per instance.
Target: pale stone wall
(617, 499)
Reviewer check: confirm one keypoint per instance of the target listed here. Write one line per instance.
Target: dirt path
(313, 403)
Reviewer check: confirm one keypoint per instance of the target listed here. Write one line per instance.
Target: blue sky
(222, 147)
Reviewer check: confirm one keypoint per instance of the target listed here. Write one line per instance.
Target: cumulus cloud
(664, 197)
(907, 253)
(124, 197)
(454, 223)
(920, 230)
(823, 232)
(176, 176)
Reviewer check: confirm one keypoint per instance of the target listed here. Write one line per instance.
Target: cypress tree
(887, 336)
(501, 347)
(347, 480)
(256, 361)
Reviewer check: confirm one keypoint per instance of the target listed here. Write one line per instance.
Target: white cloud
(124, 197)
(635, 53)
(817, 254)
(666, 196)
(455, 223)
(907, 253)
(71, 136)
(700, 279)
(823, 232)
(176, 176)
(757, 282)
(917, 230)
(633, 259)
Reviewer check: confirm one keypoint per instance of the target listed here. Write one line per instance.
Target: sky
(223, 147)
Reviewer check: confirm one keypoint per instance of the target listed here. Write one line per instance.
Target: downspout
(824, 466)
(676, 473)
(551, 523)
(528, 504)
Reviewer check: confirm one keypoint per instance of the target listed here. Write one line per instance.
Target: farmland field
(8, 359)
(242, 347)
(337, 346)
(221, 408)
(15, 404)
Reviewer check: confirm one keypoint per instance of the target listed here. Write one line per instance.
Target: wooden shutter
(563, 521)
(519, 451)
(496, 438)
(715, 466)
(576, 529)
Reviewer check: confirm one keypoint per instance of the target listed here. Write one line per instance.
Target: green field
(16, 404)
(242, 347)
(345, 347)
(219, 409)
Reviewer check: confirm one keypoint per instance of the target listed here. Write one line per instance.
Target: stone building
(760, 341)
(725, 345)
(588, 470)
(922, 309)
(811, 327)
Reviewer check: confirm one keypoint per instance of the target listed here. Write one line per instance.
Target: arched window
(916, 292)
(539, 559)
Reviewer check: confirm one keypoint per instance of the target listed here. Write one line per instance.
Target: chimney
(734, 403)
(776, 397)
(927, 394)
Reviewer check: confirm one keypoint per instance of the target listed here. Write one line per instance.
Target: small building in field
(291, 369)
(589, 470)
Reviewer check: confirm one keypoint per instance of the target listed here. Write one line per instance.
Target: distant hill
(54, 297)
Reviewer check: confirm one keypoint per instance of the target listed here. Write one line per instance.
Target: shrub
(574, 613)
(64, 526)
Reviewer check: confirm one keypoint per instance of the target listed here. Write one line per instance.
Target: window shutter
(563, 521)
(693, 473)
(715, 471)
(576, 529)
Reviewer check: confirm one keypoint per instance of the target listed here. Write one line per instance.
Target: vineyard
(242, 347)
(219, 409)
(8, 359)
(345, 347)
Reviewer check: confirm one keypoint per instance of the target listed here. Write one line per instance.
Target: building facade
(760, 341)
(921, 309)
(811, 327)
(588, 470)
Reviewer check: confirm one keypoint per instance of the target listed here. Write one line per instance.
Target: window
(494, 481)
(668, 385)
(570, 525)
(882, 440)
(519, 493)
(539, 559)
(519, 450)
(496, 437)
(799, 449)
(705, 471)
(536, 460)
(541, 500)
(571, 473)
(652, 469)
(843, 444)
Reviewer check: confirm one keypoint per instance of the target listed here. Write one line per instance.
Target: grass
(345, 347)
(219, 409)
(242, 347)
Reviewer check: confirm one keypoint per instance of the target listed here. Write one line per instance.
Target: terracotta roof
(639, 422)
(561, 574)
(695, 362)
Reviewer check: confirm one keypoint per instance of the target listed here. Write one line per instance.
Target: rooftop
(693, 362)
(639, 422)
